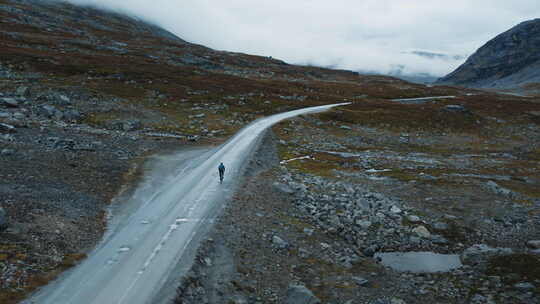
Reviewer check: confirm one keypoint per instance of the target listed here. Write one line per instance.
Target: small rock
(193, 137)
(303, 253)
(440, 226)
(413, 219)
(5, 128)
(414, 240)
(48, 111)
(397, 301)
(524, 286)
(22, 91)
(395, 210)
(299, 294)
(72, 115)
(19, 115)
(9, 102)
(308, 231)
(364, 224)
(478, 299)
(325, 246)
(493, 186)
(3, 219)
(439, 240)
(455, 108)
(238, 299)
(422, 231)
(58, 115)
(450, 217)
(283, 188)
(370, 251)
(533, 244)
(208, 261)
(7, 152)
(279, 242)
(126, 125)
(360, 281)
(64, 99)
(345, 127)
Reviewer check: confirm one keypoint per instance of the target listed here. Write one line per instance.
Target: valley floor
(307, 229)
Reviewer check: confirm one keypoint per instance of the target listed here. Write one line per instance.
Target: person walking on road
(221, 170)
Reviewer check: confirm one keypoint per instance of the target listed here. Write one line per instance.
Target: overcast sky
(367, 35)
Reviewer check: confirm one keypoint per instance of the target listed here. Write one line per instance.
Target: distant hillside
(510, 60)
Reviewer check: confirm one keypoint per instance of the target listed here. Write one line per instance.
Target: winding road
(154, 243)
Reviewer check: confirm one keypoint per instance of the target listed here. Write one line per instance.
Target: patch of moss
(526, 268)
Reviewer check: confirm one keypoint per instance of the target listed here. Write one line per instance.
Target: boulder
(299, 294)
(422, 231)
(533, 244)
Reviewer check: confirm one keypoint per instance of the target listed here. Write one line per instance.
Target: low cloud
(365, 35)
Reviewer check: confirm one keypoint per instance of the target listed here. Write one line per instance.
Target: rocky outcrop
(510, 60)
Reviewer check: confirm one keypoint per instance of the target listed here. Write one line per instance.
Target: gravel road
(135, 261)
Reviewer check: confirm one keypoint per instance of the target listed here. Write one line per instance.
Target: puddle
(421, 100)
(419, 261)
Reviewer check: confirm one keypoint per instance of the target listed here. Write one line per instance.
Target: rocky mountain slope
(510, 60)
(86, 96)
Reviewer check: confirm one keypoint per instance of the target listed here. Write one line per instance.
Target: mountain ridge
(510, 60)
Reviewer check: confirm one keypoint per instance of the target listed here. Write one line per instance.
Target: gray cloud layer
(374, 35)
